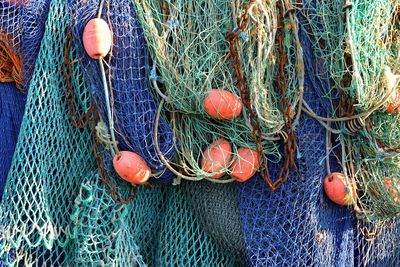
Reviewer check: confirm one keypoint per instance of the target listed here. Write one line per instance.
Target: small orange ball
(97, 38)
(17, 3)
(394, 102)
(245, 165)
(222, 104)
(337, 191)
(216, 157)
(131, 167)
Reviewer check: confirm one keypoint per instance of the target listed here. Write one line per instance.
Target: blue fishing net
(297, 225)
(133, 106)
(12, 103)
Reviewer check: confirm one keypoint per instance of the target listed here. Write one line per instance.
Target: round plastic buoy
(131, 167)
(245, 165)
(97, 38)
(216, 157)
(337, 191)
(222, 105)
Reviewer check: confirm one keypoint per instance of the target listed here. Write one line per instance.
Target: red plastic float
(216, 157)
(337, 191)
(223, 105)
(97, 38)
(245, 165)
(131, 167)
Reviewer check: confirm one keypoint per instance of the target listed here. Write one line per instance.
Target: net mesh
(200, 46)
(217, 209)
(42, 225)
(359, 56)
(133, 106)
(12, 103)
(51, 157)
(198, 223)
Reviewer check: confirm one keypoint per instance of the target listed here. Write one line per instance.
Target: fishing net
(156, 229)
(183, 241)
(132, 104)
(359, 54)
(204, 45)
(51, 158)
(21, 30)
(304, 228)
(217, 209)
(12, 103)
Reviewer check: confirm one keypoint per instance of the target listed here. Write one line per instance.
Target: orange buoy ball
(393, 191)
(216, 157)
(97, 38)
(17, 3)
(337, 191)
(223, 105)
(131, 167)
(394, 102)
(245, 165)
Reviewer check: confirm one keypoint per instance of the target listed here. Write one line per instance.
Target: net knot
(347, 5)
(153, 74)
(238, 33)
(103, 133)
(172, 24)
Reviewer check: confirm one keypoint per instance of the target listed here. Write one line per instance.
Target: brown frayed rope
(10, 64)
(290, 141)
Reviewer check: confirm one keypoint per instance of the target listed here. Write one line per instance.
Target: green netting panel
(372, 156)
(355, 50)
(182, 240)
(102, 235)
(144, 219)
(51, 160)
(216, 207)
(371, 33)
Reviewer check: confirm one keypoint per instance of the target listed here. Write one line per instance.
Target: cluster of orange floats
(219, 104)
(217, 157)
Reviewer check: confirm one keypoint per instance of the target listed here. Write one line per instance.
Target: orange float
(216, 157)
(394, 102)
(393, 191)
(97, 38)
(245, 165)
(131, 167)
(223, 105)
(337, 191)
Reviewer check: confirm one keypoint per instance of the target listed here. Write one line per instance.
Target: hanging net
(336, 62)
(51, 157)
(132, 104)
(202, 46)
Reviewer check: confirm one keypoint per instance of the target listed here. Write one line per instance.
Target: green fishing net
(51, 159)
(199, 46)
(358, 48)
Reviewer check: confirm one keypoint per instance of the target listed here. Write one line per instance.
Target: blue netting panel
(133, 104)
(33, 22)
(378, 244)
(12, 103)
(297, 225)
